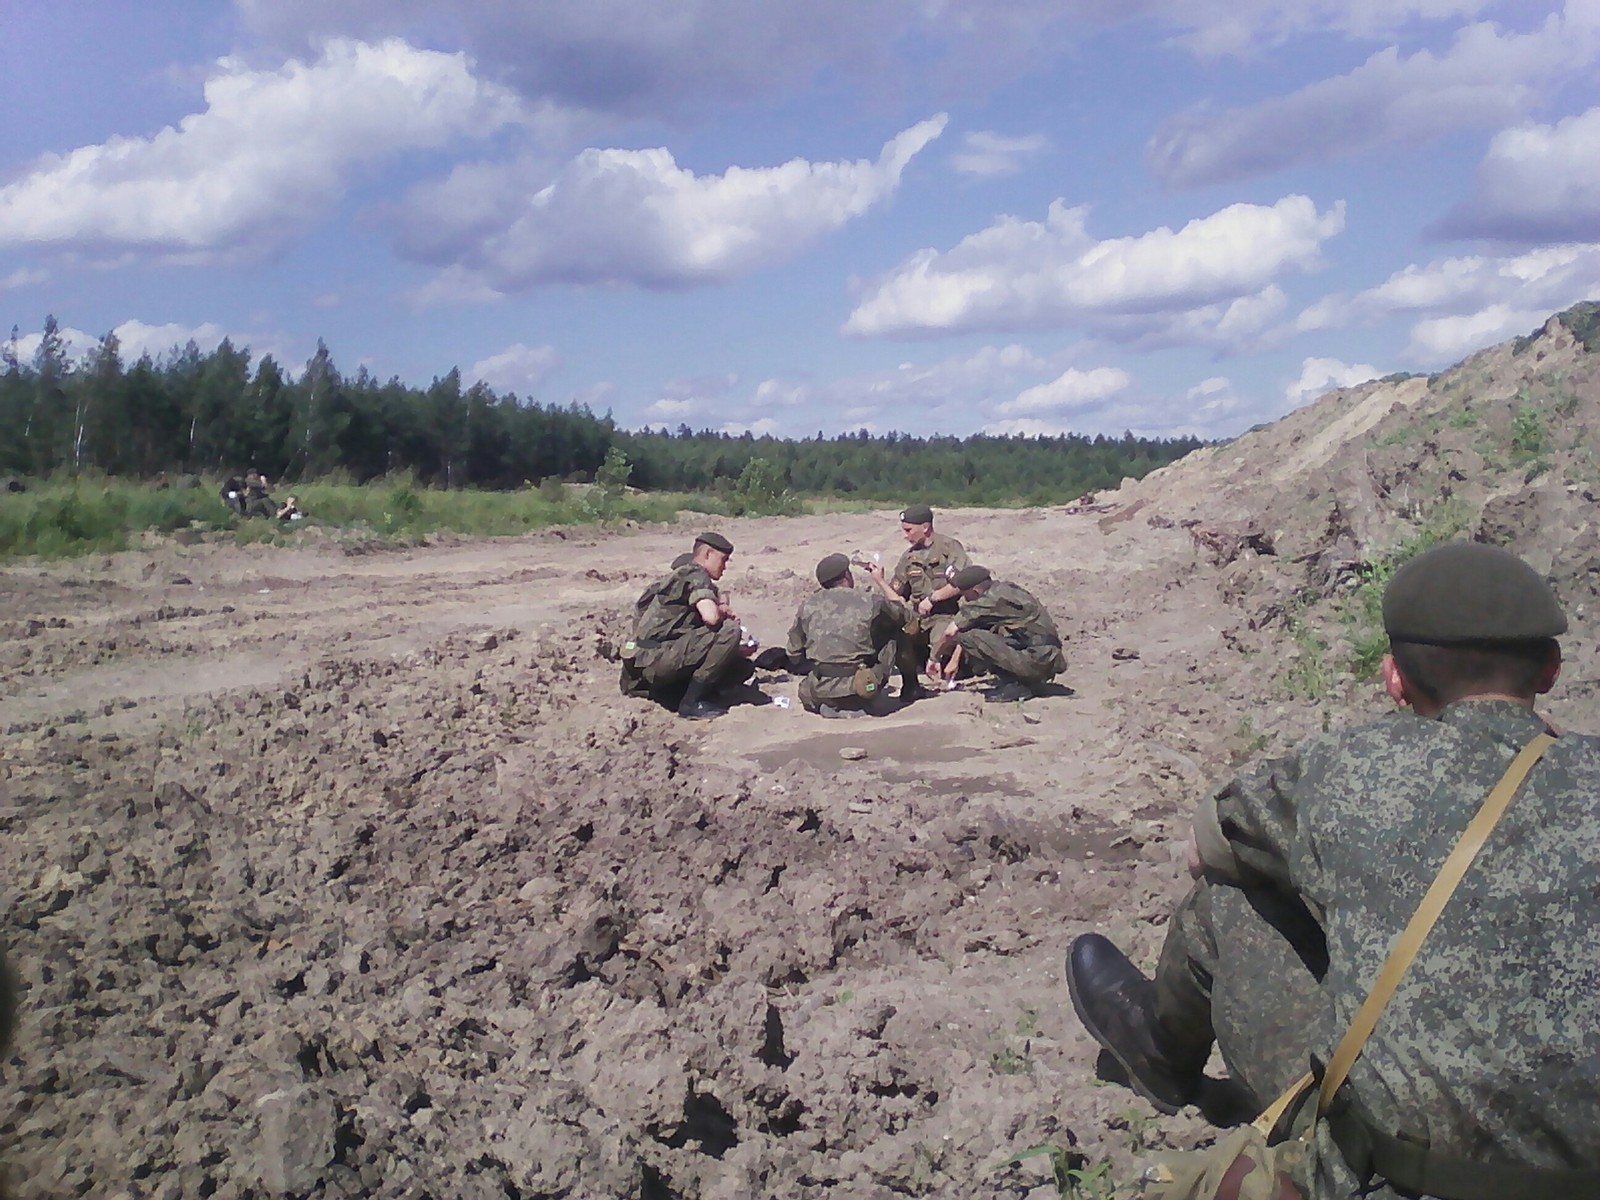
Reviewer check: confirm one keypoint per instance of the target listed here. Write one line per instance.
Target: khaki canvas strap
(1411, 939)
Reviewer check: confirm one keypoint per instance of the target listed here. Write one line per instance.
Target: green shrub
(760, 491)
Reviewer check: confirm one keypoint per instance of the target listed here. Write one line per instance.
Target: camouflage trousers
(914, 643)
(710, 656)
(994, 652)
(838, 691)
(1240, 967)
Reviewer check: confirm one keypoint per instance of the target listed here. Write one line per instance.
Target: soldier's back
(1490, 1048)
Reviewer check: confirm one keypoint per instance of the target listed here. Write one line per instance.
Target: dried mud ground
(340, 874)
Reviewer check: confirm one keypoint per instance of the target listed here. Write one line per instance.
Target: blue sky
(936, 216)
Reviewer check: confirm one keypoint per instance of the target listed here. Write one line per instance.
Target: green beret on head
(970, 577)
(716, 541)
(917, 514)
(832, 567)
(1466, 593)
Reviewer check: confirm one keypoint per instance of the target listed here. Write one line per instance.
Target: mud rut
(344, 875)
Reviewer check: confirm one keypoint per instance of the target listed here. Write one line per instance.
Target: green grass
(1362, 611)
(1072, 1174)
(64, 517)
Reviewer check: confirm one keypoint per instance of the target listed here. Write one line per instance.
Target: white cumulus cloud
(517, 368)
(1484, 80)
(1073, 389)
(136, 338)
(1319, 375)
(637, 217)
(266, 157)
(1054, 274)
(1464, 304)
(1537, 183)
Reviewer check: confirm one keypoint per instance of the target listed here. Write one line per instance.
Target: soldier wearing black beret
(686, 642)
(921, 580)
(1003, 629)
(843, 643)
(1478, 1078)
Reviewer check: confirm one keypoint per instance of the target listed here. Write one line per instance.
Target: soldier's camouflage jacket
(666, 609)
(1011, 611)
(925, 569)
(844, 626)
(1490, 1049)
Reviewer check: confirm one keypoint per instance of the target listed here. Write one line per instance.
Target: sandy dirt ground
(352, 874)
(339, 874)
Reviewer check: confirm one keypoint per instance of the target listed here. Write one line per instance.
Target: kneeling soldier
(1003, 629)
(685, 643)
(844, 641)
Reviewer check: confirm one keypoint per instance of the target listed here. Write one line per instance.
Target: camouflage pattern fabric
(839, 627)
(8, 1002)
(1008, 631)
(1222, 941)
(923, 570)
(666, 608)
(701, 653)
(1490, 1048)
(674, 646)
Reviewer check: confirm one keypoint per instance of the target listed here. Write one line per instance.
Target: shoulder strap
(1422, 921)
(1410, 940)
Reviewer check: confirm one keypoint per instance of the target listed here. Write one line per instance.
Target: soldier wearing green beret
(843, 640)
(1002, 628)
(1479, 1080)
(686, 642)
(922, 580)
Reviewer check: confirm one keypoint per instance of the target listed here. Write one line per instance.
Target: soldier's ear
(1552, 669)
(1395, 683)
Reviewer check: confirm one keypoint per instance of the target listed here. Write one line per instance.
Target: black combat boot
(912, 690)
(1116, 1004)
(695, 707)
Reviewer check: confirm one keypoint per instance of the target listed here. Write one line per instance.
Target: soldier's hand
(925, 606)
(873, 569)
(935, 671)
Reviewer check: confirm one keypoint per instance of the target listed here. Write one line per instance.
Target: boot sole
(1159, 1103)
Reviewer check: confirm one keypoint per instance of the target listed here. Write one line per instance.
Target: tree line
(193, 412)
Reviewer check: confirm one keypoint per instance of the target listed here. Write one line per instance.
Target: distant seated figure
(290, 510)
(232, 493)
(844, 640)
(258, 500)
(1003, 629)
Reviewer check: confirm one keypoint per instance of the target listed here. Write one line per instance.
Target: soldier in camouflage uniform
(257, 496)
(844, 641)
(686, 639)
(922, 577)
(1003, 629)
(1481, 1079)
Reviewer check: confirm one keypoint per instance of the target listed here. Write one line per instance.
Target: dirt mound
(325, 939)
